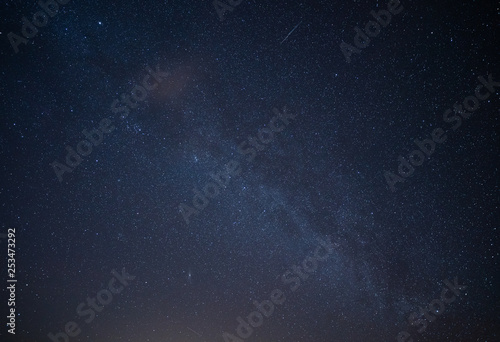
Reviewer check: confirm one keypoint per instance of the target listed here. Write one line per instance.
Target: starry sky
(227, 143)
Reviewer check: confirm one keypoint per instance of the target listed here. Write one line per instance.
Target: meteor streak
(290, 32)
(194, 331)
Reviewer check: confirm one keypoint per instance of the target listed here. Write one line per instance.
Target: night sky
(268, 171)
